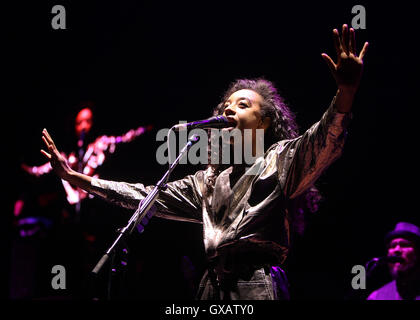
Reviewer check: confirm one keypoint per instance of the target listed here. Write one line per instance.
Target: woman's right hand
(58, 161)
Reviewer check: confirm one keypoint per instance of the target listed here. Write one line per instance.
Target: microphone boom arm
(144, 207)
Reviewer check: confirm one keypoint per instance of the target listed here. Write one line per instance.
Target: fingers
(352, 43)
(49, 143)
(46, 154)
(347, 42)
(48, 137)
(45, 141)
(345, 38)
(364, 50)
(45, 136)
(337, 42)
(49, 146)
(329, 62)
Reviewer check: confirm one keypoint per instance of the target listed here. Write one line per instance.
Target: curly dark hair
(283, 126)
(283, 123)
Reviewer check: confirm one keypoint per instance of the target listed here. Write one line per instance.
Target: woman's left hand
(347, 72)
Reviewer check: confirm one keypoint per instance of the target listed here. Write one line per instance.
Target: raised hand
(347, 72)
(57, 160)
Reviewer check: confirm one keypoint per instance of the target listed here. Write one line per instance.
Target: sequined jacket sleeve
(180, 201)
(302, 160)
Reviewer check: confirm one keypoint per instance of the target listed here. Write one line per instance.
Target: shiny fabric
(264, 284)
(246, 212)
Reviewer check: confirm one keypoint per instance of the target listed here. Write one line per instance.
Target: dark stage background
(151, 62)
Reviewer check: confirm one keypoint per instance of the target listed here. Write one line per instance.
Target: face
(243, 109)
(405, 249)
(83, 121)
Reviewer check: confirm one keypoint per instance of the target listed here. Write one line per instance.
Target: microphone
(213, 122)
(375, 263)
(393, 259)
(385, 259)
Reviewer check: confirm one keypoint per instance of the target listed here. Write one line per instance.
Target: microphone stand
(140, 214)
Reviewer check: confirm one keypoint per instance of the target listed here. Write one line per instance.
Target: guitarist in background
(88, 156)
(38, 238)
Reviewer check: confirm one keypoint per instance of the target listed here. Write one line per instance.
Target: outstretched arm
(180, 201)
(61, 167)
(347, 72)
(305, 158)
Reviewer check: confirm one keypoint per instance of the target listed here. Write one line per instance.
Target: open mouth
(398, 264)
(231, 121)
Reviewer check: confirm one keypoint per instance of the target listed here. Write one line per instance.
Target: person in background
(89, 156)
(55, 226)
(402, 242)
